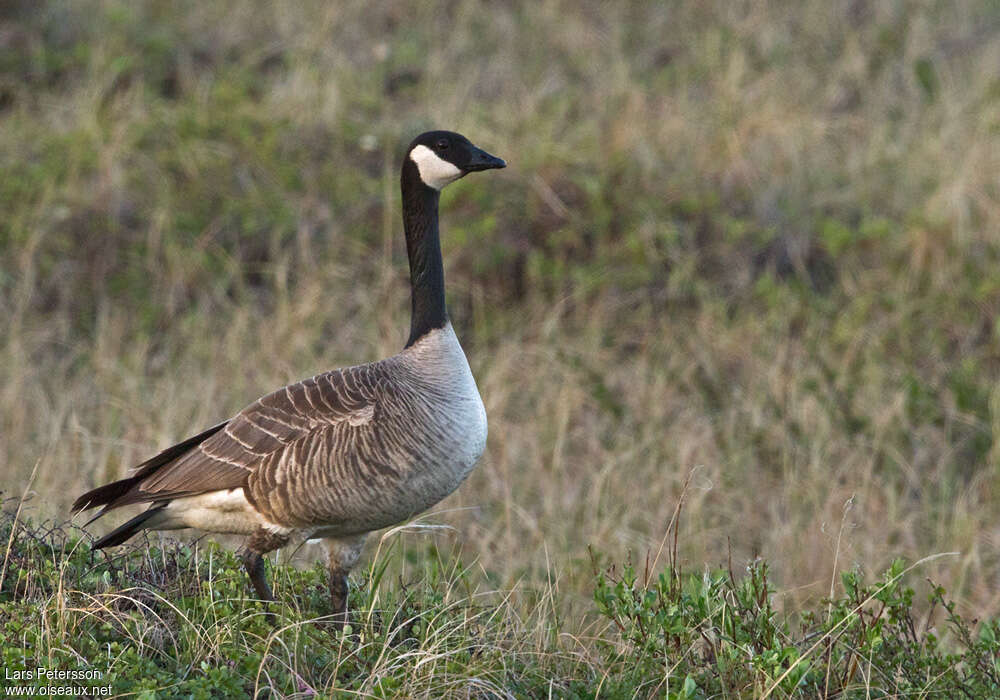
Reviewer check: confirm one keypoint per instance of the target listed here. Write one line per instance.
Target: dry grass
(636, 293)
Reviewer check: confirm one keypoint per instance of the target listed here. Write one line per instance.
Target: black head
(442, 157)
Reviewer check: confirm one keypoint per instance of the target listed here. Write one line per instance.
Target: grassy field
(749, 247)
(176, 621)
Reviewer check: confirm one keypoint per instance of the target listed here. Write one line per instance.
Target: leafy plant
(715, 634)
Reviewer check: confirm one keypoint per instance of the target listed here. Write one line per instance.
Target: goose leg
(343, 554)
(254, 563)
(252, 553)
(338, 597)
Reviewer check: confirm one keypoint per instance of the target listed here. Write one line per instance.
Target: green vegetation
(752, 248)
(176, 621)
(718, 636)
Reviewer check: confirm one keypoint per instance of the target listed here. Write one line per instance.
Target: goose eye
(442, 144)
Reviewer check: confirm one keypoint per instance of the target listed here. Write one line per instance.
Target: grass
(756, 244)
(174, 620)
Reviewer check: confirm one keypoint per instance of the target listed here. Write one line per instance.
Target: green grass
(716, 635)
(753, 248)
(178, 621)
(172, 620)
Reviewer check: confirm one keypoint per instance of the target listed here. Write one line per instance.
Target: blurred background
(751, 246)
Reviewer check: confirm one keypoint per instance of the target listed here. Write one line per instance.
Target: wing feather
(274, 433)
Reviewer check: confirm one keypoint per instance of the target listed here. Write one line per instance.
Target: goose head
(442, 157)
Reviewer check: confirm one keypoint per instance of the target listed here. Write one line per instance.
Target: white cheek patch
(434, 171)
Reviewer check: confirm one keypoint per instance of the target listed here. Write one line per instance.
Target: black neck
(423, 245)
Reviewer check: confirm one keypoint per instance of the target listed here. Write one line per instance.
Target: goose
(346, 452)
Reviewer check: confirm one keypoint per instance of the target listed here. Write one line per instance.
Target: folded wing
(225, 456)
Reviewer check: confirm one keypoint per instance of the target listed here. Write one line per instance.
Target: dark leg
(342, 555)
(260, 543)
(338, 597)
(254, 564)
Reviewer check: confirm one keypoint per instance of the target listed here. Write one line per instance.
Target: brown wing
(268, 426)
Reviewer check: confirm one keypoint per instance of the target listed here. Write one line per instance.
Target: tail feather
(112, 495)
(104, 496)
(109, 494)
(124, 532)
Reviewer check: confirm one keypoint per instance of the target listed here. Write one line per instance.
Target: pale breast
(454, 427)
